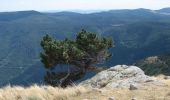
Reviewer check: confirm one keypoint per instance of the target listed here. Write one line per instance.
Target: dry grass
(80, 93)
(39, 93)
(161, 77)
(148, 92)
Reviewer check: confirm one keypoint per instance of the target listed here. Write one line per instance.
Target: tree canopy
(81, 54)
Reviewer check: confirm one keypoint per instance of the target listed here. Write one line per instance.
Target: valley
(137, 34)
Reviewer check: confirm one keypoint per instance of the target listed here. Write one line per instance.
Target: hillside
(137, 33)
(155, 65)
(82, 93)
(149, 88)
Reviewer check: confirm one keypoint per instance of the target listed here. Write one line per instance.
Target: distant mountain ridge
(8, 16)
(137, 34)
(164, 10)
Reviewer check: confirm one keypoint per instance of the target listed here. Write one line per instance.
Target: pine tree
(81, 54)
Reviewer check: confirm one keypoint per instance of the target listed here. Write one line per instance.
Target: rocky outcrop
(120, 76)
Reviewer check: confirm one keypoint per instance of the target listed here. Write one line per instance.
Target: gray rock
(97, 90)
(120, 76)
(133, 87)
(133, 99)
(111, 98)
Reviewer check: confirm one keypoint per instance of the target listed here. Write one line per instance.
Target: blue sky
(45, 5)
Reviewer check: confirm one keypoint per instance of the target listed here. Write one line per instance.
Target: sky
(47, 5)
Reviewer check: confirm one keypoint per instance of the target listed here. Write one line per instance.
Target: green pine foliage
(87, 50)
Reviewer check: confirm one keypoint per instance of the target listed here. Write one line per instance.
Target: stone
(133, 99)
(133, 87)
(97, 90)
(111, 98)
(119, 76)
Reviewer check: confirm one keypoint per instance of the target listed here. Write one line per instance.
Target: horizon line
(80, 10)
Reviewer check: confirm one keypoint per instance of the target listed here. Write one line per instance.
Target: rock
(111, 98)
(120, 76)
(133, 99)
(167, 77)
(133, 87)
(97, 90)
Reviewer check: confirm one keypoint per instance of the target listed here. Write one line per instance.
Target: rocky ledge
(121, 76)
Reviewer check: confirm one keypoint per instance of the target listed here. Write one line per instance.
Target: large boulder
(120, 76)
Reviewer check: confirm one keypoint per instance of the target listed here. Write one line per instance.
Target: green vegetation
(138, 34)
(155, 65)
(80, 54)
